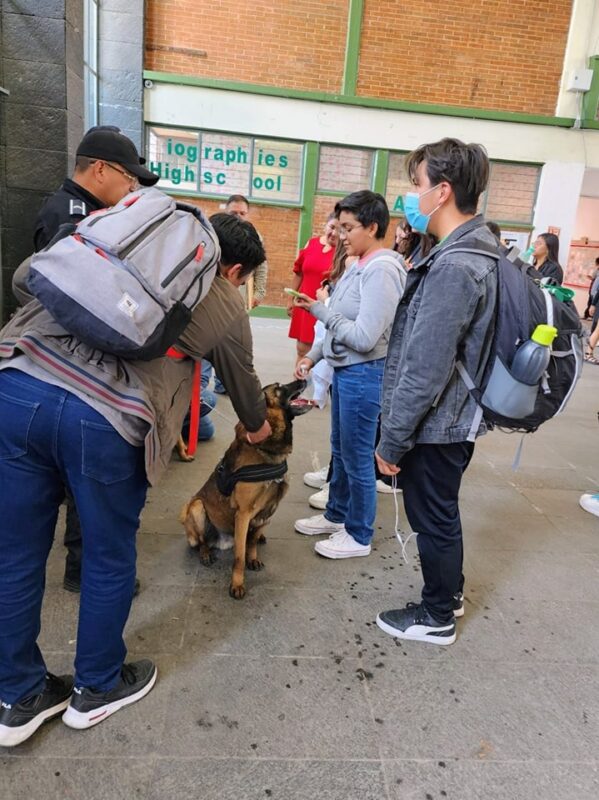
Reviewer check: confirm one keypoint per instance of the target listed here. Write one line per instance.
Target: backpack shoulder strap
(473, 246)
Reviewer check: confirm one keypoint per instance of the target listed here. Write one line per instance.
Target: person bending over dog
(106, 447)
(107, 168)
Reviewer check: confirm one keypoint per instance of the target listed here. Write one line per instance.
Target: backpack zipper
(148, 231)
(196, 254)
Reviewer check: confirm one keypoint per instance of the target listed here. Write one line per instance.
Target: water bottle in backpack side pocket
(532, 357)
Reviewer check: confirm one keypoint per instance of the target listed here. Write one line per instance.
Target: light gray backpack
(128, 278)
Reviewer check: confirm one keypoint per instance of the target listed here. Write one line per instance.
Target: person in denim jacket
(447, 313)
(358, 322)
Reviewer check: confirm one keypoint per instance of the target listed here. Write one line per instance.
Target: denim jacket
(448, 314)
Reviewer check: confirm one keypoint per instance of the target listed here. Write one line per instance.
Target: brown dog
(243, 504)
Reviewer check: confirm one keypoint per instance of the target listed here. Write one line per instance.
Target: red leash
(194, 409)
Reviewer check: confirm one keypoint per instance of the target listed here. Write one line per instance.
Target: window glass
(511, 194)
(344, 169)
(277, 170)
(397, 183)
(173, 155)
(226, 163)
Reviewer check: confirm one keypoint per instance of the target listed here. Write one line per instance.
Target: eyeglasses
(131, 178)
(344, 231)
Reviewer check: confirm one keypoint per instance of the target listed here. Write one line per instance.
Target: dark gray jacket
(448, 313)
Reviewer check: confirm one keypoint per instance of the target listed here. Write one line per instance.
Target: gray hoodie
(360, 313)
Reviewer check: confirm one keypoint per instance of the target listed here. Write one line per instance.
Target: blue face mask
(414, 216)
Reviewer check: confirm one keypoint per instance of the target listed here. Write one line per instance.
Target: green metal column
(352, 48)
(310, 178)
(590, 100)
(380, 170)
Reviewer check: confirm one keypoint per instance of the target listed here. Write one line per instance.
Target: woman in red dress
(309, 270)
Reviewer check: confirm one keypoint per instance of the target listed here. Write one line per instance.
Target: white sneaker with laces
(317, 525)
(320, 499)
(383, 488)
(341, 545)
(590, 503)
(316, 480)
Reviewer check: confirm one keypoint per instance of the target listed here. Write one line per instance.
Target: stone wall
(41, 121)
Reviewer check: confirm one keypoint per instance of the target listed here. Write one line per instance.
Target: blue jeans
(355, 409)
(50, 439)
(207, 370)
(206, 429)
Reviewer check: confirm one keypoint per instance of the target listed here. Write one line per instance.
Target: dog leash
(194, 407)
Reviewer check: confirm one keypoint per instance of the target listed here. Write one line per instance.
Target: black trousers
(430, 477)
(72, 541)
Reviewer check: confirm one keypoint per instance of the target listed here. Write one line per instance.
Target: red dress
(312, 263)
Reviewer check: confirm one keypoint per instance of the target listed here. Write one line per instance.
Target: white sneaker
(320, 499)
(317, 525)
(383, 488)
(341, 546)
(590, 503)
(317, 480)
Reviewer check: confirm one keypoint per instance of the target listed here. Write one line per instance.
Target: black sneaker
(88, 707)
(415, 623)
(19, 721)
(458, 604)
(72, 583)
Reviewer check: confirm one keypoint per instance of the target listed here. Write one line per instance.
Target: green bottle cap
(544, 334)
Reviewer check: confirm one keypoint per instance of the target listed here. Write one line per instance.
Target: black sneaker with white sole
(458, 604)
(415, 623)
(89, 707)
(19, 721)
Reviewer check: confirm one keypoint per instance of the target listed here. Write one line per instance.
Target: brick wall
(493, 54)
(293, 43)
(278, 227)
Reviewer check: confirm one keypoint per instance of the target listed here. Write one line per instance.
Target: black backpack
(523, 302)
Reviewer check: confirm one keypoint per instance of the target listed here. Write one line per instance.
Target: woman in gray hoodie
(358, 322)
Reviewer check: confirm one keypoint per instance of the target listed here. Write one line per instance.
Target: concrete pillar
(557, 201)
(582, 43)
(41, 55)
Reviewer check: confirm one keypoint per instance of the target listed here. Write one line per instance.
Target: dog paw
(254, 564)
(237, 592)
(261, 539)
(208, 558)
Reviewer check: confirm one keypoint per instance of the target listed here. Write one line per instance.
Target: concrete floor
(294, 693)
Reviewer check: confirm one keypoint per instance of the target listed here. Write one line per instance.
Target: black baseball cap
(108, 144)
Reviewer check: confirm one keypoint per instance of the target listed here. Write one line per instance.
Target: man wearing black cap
(107, 167)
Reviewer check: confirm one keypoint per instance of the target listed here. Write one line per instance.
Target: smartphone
(292, 292)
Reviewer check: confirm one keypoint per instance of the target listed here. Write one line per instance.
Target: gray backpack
(128, 278)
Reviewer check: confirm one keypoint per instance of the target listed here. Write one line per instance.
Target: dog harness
(254, 473)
